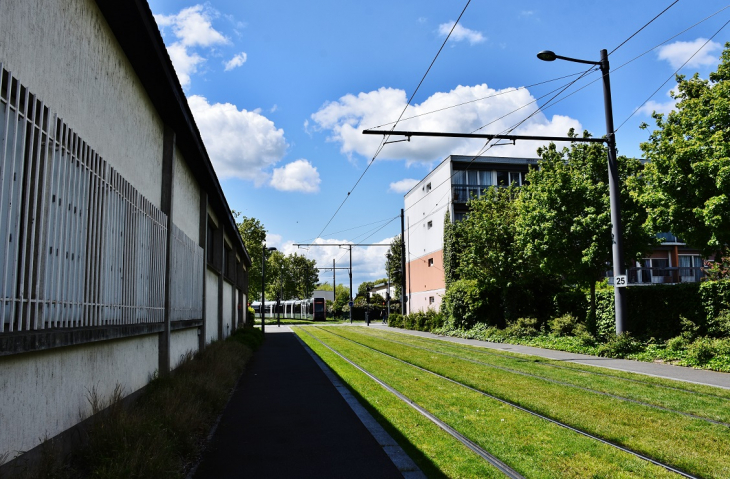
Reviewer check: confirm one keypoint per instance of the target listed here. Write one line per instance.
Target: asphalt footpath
(286, 419)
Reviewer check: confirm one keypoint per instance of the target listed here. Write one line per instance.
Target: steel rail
(490, 458)
(557, 381)
(524, 409)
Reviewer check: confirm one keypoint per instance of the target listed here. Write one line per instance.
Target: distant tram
(320, 309)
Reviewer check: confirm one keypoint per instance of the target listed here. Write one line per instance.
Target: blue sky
(281, 90)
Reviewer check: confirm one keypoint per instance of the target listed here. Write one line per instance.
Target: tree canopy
(253, 234)
(689, 167)
(564, 220)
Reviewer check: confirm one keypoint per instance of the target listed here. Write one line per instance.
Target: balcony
(667, 275)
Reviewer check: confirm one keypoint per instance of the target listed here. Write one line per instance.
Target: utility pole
(403, 297)
(351, 303)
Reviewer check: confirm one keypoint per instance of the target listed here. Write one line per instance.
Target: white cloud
(298, 175)
(236, 61)
(403, 186)
(184, 62)
(193, 28)
(461, 33)
(651, 106)
(241, 143)
(678, 52)
(273, 239)
(347, 117)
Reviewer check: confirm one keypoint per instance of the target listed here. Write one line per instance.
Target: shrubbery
(429, 320)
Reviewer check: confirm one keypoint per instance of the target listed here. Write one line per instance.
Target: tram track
(515, 405)
(554, 381)
(548, 362)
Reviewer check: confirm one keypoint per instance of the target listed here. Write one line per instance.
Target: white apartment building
(446, 190)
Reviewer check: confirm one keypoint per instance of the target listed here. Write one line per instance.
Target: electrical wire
(503, 92)
(385, 138)
(646, 25)
(672, 76)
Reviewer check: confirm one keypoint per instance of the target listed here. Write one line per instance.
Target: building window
(211, 244)
(430, 300)
(690, 268)
(430, 262)
(430, 224)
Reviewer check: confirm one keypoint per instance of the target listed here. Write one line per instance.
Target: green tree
(253, 234)
(689, 169)
(304, 275)
(564, 220)
(490, 257)
(452, 250)
(393, 266)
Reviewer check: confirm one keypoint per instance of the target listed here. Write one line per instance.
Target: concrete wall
(181, 343)
(423, 242)
(65, 53)
(211, 306)
(186, 198)
(227, 305)
(47, 392)
(421, 301)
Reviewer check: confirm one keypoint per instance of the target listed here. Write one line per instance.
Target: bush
(462, 304)
(715, 297)
(619, 346)
(719, 326)
(522, 328)
(564, 325)
(677, 343)
(395, 320)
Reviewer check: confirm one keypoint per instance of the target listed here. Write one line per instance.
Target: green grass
(690, 444)
(711, 403)
(435, 452)
(533, 446)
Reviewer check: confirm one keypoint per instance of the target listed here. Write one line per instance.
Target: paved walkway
(286, 419)
(680, 373)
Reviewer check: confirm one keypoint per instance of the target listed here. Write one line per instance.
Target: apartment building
(446, 190)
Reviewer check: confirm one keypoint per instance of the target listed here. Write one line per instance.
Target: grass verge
(163, 432)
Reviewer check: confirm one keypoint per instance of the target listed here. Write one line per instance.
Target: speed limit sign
(621, 281)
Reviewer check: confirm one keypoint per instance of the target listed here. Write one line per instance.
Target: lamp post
(263, 287)
(613, 183)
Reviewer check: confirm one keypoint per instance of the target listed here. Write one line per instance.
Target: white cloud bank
(461, 33)
(240, 143)
(651, 106)
(347, 117)
(298, 175)
(678, 52)
(403, 186)
(192, 27)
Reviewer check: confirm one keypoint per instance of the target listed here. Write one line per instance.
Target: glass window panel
(459, 177)
(514, 178)
(485, 178)
(502, 178)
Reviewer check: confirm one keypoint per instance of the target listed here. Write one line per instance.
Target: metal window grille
(81, 246)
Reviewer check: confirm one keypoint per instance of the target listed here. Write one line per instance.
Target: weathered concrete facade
(98, 70)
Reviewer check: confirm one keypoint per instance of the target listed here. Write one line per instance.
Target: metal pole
(351, 304)
(402, 263)
(334, 285)
(263, 288)
(613, 187)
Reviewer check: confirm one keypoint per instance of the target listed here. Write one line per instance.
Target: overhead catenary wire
(672, 75)
(645, 25)
(385, 138)
(550, 105)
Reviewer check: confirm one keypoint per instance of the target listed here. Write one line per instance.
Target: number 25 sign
(621, 281)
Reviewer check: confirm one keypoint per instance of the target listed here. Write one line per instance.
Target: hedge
(657, 311)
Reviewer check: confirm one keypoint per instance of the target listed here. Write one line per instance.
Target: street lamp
(263, 287)
(613, 183)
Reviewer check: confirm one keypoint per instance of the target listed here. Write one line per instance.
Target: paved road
(698, 376)
(286, 419)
